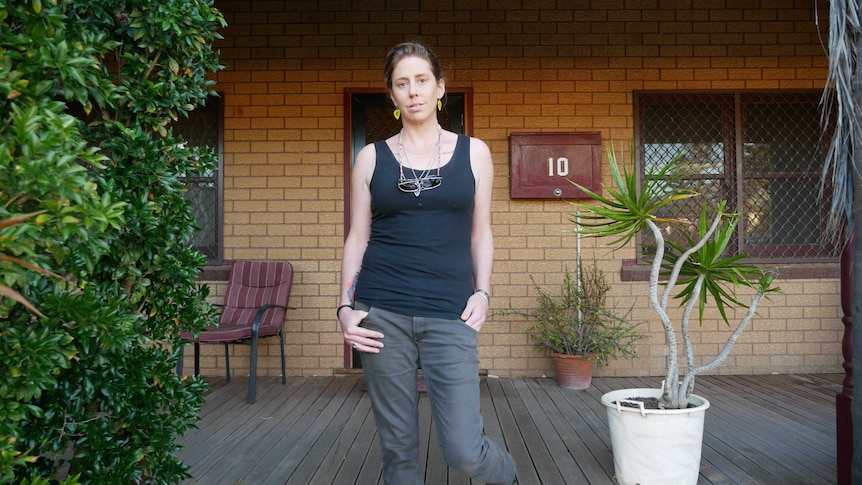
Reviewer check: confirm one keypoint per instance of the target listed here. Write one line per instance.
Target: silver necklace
(423, 174)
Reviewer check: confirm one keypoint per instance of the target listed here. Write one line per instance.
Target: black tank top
(418, 259)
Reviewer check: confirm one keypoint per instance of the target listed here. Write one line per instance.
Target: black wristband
(338, 311)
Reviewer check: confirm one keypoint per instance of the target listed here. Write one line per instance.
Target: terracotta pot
(573, 371)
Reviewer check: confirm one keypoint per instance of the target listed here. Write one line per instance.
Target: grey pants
(449, 357)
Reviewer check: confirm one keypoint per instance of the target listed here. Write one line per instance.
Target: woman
(416, 273)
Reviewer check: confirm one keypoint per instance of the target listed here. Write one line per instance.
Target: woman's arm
(354, 249)
(481, 239)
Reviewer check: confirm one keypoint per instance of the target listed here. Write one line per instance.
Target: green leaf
(624, 212)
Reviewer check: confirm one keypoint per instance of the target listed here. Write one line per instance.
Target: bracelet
(338, 311)
(484, 293)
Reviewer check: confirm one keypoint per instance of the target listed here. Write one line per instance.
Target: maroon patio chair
(255, 306)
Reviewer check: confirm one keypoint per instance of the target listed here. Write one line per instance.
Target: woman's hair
(407, 49)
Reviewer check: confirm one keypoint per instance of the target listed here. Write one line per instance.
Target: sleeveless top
(418, 259)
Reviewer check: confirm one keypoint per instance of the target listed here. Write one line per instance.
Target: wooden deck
(777, 429)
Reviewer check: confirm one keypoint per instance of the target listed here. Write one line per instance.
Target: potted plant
(695, 271)
(578, 328)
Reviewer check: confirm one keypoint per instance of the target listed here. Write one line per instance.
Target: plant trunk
(856, 314)
(856, 306)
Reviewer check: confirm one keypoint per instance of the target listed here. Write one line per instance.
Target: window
(203, 127)
(759, 151)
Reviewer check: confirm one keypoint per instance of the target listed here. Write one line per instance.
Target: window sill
(633, 271)
(214, 273)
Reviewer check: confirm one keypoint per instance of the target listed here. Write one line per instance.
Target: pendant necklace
(423, 174)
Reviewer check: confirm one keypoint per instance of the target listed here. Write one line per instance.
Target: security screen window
(760, 151)
(203, 128)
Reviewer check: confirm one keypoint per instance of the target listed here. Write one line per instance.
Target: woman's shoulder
(382, 147)
(369, 151)
(472, 143)
(366, 159)
(479, 149)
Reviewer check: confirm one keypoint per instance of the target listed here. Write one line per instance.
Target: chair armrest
(255, 325)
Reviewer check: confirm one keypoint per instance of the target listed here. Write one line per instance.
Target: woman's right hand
(361, 339)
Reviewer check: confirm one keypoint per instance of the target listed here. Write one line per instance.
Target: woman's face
(414, 89)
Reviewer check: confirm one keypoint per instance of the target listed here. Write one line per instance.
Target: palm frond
(724, 274)
(839, 108)
(625, 210)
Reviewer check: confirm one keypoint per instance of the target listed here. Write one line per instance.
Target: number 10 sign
(543, 165)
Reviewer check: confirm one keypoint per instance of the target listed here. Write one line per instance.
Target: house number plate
(543, 165)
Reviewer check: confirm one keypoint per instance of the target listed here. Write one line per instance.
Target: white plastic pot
(655, 446)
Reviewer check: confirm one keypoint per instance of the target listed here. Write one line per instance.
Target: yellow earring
(397, 113)
(439, 105)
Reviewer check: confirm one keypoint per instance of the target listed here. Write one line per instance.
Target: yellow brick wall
(532, 66)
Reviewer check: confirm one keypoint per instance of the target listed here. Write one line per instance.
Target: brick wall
(538, 65)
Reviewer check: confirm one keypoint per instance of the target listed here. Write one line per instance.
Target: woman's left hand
(476, 311)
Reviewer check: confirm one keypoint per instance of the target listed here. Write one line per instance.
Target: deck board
(320, 430)
(527, 473)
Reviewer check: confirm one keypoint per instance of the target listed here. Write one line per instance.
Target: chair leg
(283, 372)
(197, 358)
(252, 370)
(227, 361)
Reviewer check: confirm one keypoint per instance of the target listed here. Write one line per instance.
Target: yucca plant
(695, 271)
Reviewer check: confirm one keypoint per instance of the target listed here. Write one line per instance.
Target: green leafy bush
(97, 273)
(580, 321)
